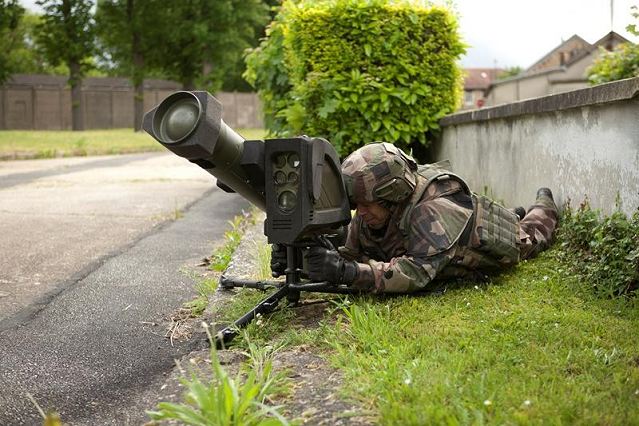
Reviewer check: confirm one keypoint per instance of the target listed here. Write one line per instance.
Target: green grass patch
(528, 348)
(18, 144)
(534, 346)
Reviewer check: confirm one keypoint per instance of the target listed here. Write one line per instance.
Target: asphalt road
(90, 260)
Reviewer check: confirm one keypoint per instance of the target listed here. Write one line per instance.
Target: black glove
(278, 259)
(329, 265)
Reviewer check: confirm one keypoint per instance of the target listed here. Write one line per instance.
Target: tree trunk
(138, 97)
(137, 59)
(77, 110)
(188, 84)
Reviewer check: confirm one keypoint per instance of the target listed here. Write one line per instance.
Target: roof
(558, 50)
(612, 38)
(567, 54)
(480, 78)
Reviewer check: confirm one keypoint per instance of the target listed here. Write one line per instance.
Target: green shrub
(603, 250)
(266, 71)
(623, 62)
(357, 71)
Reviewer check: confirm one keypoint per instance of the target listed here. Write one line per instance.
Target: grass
(533, 346)
(19, 144)
(528, 348)
(219, 261)
(232, 238)
(228, 400)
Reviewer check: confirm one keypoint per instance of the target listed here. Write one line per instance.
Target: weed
(263, 254)
(79, 147)
(602, 250)
(196, 306)
(177, 212)
(222, 256)
(46, 153)
(219, 261)
(226, 400)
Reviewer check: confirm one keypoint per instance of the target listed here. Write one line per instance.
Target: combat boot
(545, 199)
(545, 192)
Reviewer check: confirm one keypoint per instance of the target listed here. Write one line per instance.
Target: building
(476, 82)
(562, 69)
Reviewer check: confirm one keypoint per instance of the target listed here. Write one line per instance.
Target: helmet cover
(379, 172)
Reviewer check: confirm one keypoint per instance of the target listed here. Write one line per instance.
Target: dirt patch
(315, 398)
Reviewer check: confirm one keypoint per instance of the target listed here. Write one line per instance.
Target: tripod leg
(224, 336)
(292, 273)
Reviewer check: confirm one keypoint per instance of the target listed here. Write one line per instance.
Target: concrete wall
(43, 102)
(578, 143)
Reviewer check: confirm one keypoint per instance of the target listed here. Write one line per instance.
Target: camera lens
(294, 160)
(280, 178)
(287, 200)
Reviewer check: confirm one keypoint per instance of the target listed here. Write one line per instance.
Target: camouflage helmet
(379, 172)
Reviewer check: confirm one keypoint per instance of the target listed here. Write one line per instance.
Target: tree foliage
(510, 72)
(204, 39)
(65, 34)
(356, 71)
(623, 62)
(25, 57)
(10, 15)
(127, 29)
(128, 33)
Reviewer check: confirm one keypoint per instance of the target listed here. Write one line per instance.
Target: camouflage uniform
(441, 240)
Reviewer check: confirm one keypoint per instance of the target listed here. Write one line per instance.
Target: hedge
(357, 71)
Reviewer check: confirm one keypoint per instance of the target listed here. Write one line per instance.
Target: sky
(507, 33)
(511, 33)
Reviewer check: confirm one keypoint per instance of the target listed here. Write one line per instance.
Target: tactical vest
(492, 230)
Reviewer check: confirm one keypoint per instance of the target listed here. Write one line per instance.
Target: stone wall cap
(601, 94)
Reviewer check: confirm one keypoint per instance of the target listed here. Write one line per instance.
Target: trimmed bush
(357, 71)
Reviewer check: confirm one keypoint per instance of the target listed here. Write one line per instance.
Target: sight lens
(180, 119)
(287, 200)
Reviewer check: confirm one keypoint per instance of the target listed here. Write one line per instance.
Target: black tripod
(291, 289)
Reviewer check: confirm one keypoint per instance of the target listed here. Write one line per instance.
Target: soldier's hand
(278, 259)
(329, 265)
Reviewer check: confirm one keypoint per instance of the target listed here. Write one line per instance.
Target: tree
(128, 32)
(10, 14)
(206, 38)
(509, 72)
(66, 36)
(622, 62)
(24, 57)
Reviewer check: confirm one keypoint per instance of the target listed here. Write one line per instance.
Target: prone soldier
(418, 224)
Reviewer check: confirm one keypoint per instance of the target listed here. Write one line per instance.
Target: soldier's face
(373, 214)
